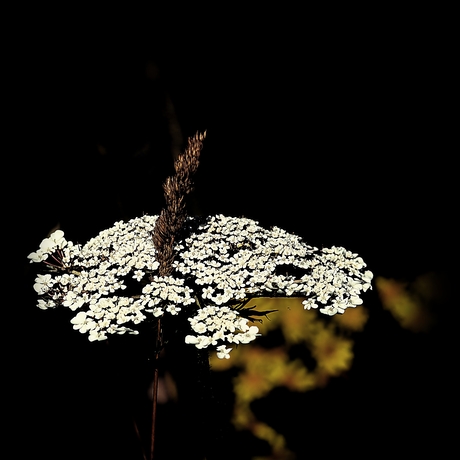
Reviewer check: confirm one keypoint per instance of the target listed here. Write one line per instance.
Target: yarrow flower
(113, 284)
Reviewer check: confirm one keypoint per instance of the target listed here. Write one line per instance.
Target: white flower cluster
(214, 324)
(48, 246)
(222, 262)
(234, 258)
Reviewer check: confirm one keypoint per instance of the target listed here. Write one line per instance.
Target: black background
(339, 131)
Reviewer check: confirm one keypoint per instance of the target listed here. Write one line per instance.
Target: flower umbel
(221, 264)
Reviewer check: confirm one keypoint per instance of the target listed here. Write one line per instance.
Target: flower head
(220, 264)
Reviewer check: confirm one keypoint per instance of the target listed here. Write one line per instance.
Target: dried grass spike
(173, 216)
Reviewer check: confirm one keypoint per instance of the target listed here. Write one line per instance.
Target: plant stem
(155, 389)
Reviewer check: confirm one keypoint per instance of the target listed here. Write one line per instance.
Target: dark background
(339, 132)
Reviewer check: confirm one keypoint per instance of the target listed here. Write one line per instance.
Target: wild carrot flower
(221, 265)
